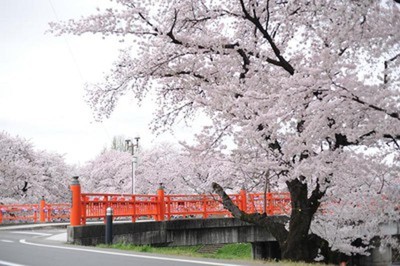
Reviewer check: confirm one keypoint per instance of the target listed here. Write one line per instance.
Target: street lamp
(132, 146)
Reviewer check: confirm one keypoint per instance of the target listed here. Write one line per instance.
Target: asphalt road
(43, 247)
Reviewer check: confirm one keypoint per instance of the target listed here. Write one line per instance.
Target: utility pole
(130, 145)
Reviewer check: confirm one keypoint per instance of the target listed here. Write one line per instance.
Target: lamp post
(132, 146)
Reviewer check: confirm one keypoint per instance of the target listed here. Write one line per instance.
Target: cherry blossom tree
(159, 165)
(53, 179)
(27, 174)
(179, 171)
(109, 172)
(305, 92)
(15, 166)
(165, 163)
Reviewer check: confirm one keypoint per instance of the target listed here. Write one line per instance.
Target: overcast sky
(42, 81)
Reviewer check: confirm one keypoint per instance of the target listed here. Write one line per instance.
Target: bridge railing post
(42, 204)
(161, 203)
(205, 213)
(75, 216)
(243, 199)
(84, 204)
(35, 214)
(49, 213)
(270, 204)
(133, 203)
(168, 212)
(106, 200)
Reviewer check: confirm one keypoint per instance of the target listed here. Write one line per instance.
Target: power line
(68, 46)
(81, 76)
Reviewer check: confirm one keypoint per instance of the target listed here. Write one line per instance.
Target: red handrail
(33, 213)
(159, 207)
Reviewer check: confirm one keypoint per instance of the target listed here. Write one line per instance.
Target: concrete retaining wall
(190, 232)
(172, 233)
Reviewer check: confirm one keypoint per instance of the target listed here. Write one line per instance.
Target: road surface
(42, 247)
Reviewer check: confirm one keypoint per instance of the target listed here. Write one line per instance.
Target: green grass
(186, 251)
(230, 251)
(239, 251)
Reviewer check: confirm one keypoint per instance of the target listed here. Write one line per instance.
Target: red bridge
(92, 206)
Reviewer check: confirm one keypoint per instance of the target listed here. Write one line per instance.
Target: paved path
(41, 247)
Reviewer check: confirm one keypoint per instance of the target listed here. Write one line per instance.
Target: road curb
(33, 226)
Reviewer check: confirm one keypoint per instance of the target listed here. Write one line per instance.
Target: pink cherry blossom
(302, 95)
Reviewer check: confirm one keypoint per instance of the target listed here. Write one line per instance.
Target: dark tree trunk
(296, 244)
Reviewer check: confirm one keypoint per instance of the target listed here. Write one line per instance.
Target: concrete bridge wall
(201, 232)
(173, 233)
(181, 233)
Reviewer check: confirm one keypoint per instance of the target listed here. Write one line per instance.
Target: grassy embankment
(231, 251)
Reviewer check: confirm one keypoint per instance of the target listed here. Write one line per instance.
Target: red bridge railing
(93, 206)
(33, 213)
(89, 206)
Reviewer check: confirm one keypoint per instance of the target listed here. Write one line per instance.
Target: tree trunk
(296, 244)
(296, 247)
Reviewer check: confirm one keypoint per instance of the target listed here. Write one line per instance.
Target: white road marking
(23, 241)
(30, 233)
(6, 263)
(6, 241)
(59, 237)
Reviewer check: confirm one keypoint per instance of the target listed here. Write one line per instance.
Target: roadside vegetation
(232, 251)
(240, 251)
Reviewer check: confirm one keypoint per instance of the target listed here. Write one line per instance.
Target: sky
(42, 81)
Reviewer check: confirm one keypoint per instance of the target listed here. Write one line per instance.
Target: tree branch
(386, 65)
(316, 196)
(356, 99)
(274, 224)
(281, 60)
(170, 33)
